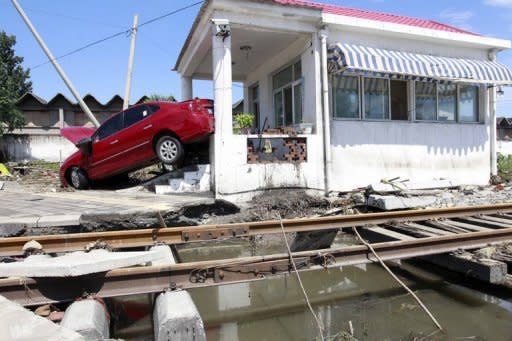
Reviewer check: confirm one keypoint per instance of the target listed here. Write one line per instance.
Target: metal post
(130, 62)
(60, 71)
(492, 122)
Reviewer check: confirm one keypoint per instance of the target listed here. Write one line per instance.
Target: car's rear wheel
(77, 178)
(169, 150)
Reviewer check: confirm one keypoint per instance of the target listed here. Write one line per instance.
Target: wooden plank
(483, 223)
(470, 227)
(505, 221)
(427, 229)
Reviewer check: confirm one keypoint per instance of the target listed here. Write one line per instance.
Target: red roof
(376, 16)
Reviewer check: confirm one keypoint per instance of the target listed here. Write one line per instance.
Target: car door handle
(114, 142)
(148, 126)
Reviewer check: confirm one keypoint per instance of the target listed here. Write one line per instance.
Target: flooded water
(377, 307)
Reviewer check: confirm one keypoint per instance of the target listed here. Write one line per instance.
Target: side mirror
(85, 145)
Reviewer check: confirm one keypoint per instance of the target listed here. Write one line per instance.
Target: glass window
(468, 103)
(283, 77)
(110, 127)
(376, 98)
(288, 93)
(134, 115)
(346, 96)
(447, 97)
(254, 100)
(426, 101)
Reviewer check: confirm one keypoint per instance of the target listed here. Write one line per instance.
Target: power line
(115, 35)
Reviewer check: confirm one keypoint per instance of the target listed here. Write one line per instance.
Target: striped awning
(404, 65)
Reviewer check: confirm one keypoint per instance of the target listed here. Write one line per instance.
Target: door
(138, 134)
(106, 148)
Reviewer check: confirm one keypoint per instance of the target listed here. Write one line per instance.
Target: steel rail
(179, 235)
(151, 279)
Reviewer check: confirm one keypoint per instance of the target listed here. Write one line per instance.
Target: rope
(318, 322)
(368, 245)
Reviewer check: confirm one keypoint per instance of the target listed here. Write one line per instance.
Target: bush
(505, 166)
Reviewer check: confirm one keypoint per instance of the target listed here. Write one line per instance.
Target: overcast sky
(101, 70)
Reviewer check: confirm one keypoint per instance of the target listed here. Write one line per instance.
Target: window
(426, 101)
(447, 96)
(134, 115)
(376, 98)
(446, 102)
(346, 96)
(468, 103)
(287, 89)
(110, 127)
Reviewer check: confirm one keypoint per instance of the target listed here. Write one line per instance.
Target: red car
(135, 138)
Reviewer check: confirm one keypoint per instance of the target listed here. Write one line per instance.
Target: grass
(52, 166)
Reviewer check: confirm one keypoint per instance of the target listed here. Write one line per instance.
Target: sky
(101, 70)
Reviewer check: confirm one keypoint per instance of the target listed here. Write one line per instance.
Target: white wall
(504, 147)
(51, 148)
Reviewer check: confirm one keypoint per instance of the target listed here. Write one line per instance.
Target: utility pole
(128, 87)
(60, 71)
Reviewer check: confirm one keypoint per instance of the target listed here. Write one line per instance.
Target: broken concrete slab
(89, 318)
(391, 202)
(27, 222)
(12, 230)
(1, 185)
(76, 264)
(176, 317)
(18, 323)
(59, 220)
(398, 186)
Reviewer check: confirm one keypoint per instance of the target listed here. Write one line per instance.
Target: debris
(4, 171)
(1, 185)
(32, 248)
(396, 185)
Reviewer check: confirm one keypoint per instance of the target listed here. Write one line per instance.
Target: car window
(134, 115)
(110, 127)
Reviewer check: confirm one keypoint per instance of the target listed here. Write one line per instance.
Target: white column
(223, 96)
(61, 118)
(186, 88)
(326, 112)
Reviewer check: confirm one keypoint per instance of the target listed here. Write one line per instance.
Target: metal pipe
(325, 112)
(131, 58)
(56, 65)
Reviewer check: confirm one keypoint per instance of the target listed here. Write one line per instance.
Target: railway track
(442, 230)
(459, 219)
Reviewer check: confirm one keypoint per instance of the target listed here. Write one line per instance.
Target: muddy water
(377, 307)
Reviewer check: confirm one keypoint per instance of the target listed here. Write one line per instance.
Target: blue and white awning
(405, 65)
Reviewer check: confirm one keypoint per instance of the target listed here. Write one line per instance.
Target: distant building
(504, 128)
(40, 138)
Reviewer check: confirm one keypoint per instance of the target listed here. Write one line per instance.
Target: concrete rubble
(20, 324)
(392, 202)
(175, 317)
(89, 318)
(75, 264)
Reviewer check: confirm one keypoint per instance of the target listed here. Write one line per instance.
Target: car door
(137, 134)
(106, 149)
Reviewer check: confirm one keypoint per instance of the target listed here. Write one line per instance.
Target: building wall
(37, 146)
(365, 152)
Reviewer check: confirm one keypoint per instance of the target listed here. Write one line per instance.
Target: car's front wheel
(169, 150)
(77, 178)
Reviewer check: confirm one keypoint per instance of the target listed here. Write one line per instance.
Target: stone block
(176, 317)
(89, 318)
(165, 255)
(59, 220)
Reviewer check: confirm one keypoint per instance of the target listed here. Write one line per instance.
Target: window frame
(295, 81)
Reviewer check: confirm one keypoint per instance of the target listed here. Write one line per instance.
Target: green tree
(14, 82)
(160, 97)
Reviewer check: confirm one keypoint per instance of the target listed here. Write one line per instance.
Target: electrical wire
(115, 35)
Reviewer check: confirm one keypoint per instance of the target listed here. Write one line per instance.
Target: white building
(388, 96)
